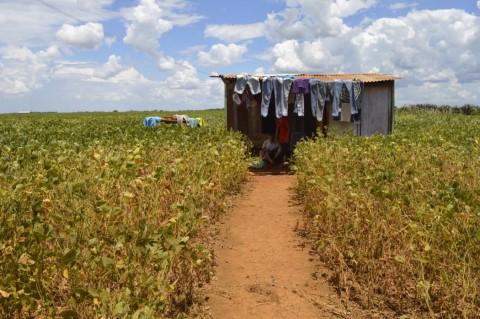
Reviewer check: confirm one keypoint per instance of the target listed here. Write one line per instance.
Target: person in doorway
(271, 152)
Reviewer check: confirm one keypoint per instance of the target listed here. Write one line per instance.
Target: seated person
(271, 152)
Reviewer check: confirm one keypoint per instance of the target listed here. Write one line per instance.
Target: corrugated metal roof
(364, 77)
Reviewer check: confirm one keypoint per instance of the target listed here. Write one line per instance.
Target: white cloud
(403, 5)
(222, 55)
(86, 36)
(235, 32)
(312, 19)
(301, 19)
(437, 45)
(150, 19)
(111, 71)
(478, 4)
(423, 46)
(434, 51)
(23, 70)
(32, 23)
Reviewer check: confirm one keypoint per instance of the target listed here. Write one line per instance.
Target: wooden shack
(377, 106)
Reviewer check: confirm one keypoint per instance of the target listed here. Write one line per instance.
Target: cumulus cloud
(423, 46)
(86, 36)
(122, 87)
(235, 32)
(23, 70)
(112, 71)
(311, 19)
(222, 55)
(151, 19)
(432, 50)
(31, 23)
(301, 19)
(147, 23)
(437, 45)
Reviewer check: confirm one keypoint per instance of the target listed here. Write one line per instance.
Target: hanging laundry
(246, 80)
(354, 93)
(335, 89)
(300, 87)
(280, 87)
(247, 98)
(318, 97)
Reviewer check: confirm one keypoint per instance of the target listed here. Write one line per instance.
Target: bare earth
(262, 270)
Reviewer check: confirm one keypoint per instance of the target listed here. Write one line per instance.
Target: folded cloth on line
(152, 121)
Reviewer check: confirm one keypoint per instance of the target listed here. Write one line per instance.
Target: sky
(103, 55)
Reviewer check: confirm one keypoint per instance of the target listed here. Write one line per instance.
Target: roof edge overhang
(364, 77)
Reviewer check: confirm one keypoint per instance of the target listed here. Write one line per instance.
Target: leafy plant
(398, 217)
(103, 218)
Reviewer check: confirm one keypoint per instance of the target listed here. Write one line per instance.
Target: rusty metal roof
(364, 77)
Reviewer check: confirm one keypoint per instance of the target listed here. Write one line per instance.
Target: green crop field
(397, 218)
(102, 218)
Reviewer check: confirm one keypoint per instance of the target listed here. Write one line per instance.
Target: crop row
(397, 218)
(102, 218)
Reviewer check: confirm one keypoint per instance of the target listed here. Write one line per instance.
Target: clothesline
(320, 91)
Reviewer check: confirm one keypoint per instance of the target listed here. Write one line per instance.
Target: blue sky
(86, 55)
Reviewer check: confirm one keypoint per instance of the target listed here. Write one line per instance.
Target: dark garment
(301, 86)
(296, 137)
(268, 123)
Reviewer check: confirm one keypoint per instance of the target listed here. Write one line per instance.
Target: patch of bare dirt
(262, 270)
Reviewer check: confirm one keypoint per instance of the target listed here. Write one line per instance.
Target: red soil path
(263, 271)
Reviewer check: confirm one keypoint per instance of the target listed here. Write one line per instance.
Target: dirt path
(262, 270)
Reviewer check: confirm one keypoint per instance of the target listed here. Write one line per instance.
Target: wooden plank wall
(377, 111)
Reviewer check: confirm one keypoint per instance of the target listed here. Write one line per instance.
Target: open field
(397, 218)
(102, 218)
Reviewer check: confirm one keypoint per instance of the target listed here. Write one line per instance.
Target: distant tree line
(467, 109)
